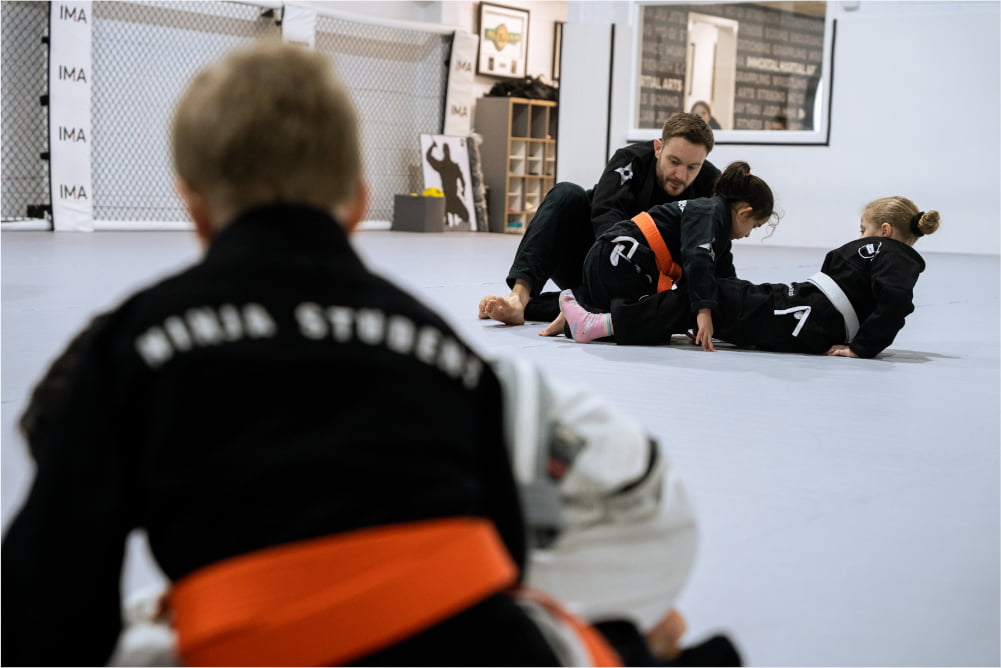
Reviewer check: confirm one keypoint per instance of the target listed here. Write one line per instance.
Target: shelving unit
(518, 158)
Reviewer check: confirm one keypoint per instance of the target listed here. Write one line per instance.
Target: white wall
(581, 152)
(915, 112)
(541, 18)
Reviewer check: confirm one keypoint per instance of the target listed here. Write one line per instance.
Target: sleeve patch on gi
(625, 174)
(617, 250)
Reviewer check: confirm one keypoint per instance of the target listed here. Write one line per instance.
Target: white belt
(840, 301)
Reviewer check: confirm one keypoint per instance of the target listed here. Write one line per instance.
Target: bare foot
(664, 639)
(483, 307)
(508, 310)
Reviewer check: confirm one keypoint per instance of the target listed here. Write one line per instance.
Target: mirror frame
(819, 136)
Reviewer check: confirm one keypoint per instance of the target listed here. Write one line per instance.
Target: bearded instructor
(637, 178)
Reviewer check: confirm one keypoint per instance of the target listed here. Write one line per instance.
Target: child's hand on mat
(704, 337)
(841, 351)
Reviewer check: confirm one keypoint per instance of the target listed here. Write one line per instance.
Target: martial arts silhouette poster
(446, 167)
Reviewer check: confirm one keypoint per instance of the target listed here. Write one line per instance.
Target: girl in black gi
(686, 242)
(853, 307)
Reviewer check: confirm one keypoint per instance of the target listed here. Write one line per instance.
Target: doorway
(711, 65)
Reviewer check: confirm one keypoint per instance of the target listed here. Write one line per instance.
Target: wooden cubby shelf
(518, 157)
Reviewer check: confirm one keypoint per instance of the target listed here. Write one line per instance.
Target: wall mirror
(759, 71)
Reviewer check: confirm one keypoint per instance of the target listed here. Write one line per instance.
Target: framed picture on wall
(503, 41)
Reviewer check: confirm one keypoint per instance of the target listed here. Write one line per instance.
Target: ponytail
(737, 184)
(903, 215)
(925, 222)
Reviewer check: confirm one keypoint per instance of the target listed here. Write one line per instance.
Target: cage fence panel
(397, 77)
(144, 55)
(25, 121)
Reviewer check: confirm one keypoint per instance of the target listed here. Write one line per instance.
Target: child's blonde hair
(903, 215)
(264, 125)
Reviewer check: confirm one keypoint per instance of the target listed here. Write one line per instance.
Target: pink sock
(584, 327)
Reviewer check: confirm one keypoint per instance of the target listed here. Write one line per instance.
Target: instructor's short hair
(690, 127)
(268, 124)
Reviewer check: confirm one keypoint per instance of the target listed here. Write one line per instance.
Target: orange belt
(331, 600)
(670, 271)
(600, 652)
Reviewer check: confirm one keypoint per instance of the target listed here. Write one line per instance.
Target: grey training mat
(848, 509)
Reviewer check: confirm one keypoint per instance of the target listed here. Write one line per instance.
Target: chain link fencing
(398, 78)
(144, 55)
(25, 120)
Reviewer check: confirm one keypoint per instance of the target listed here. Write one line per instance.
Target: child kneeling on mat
(686, 244)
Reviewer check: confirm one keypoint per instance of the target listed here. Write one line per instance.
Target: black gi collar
(280, 228)
(727, 214)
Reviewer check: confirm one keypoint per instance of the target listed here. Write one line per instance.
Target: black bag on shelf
(529, 87)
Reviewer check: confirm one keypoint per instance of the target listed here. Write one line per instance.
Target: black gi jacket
(275, 391)
(697, 233)
(878, 276)
(629, 185)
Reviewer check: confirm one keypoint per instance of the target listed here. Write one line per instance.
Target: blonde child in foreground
(228, 410)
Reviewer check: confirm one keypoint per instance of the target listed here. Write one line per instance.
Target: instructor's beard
(673, 187)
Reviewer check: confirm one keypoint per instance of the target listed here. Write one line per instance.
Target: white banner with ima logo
(460, 96)
(69, 115)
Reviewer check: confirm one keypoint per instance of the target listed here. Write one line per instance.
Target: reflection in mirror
(748, 66)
